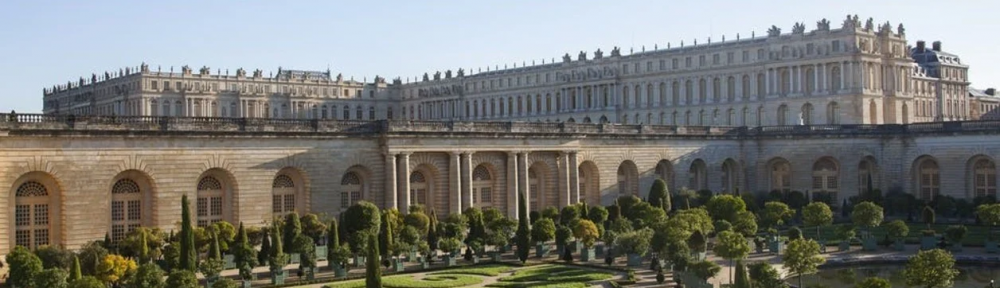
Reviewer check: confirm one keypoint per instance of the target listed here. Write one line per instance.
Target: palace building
(755, 114)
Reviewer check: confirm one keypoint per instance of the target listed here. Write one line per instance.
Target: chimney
(921, 46)
(991, 91)
(937, 46)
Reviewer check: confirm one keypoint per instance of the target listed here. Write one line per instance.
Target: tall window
(628, 178)
(832, 110)
(825, 177)
(350, 189)
(209, 203)
(31, 215)
(482, 187)
(697, 175)
(581, 176)
(807, 111)
(730, 176)
(867, 175)
(665, 170)
(781, 175)
(418, 188)
(782, 115)
(533, 193)
(282, 195)
(985, 178)
(928, 179)
(126, 208)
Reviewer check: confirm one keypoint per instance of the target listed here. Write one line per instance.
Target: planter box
(560, 249)
(295, 258)
(229, 262)
(928, 242)
(869, 244)
(321, 252)
(425, 265)
(775, 246)
(412, 256)
(449, 260)
(699, 255)
(210, 280)
(541, 251)
(475, 259)
(496, 256)
(310, 273)
(822, 246)
(587, 254)
(957, 247)
(844, 245)
(899, 245)
(339, 271)
(278, 277)
(397, 265)
(246, 283)
(599, 250)
(634, 260)
(991, 246)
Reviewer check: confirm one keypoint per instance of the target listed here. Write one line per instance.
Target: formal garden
(680, 239)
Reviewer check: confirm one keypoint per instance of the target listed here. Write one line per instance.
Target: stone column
(467, 180)
(843, 76)
(816, 70)
(455, 186)
(574, 179)
(391, 199)
(850, 76)
(565, 198)
(522, 177)
(404, 182)
(512, 185)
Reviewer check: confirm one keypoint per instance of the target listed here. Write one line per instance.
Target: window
(697, 175)
(126, 208)
(984, 178)
(154, 85)
(730, 176)
(283, 195)
(687, 62)
(674, 63)
(715, 59)
(746, 56)
(351, 187)
(628, 177)
(359, 113)
(781, 173)
(209, 201)
(535, 194)
(663, 65)
(825, 177)
(31, 215)
(482, 187)
(371, 113)
(418, 188)
(928, 179)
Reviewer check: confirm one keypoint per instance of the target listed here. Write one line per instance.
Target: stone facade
(66, 174)
(859, 73)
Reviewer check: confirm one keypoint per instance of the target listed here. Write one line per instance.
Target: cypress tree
(523, 241)
(385, 238)
(74, 272)
(265, 248)
(189, 256)
(373, 274)
(214, 252)
(657, 192)
(742, 280)
(432, 232)
(333, 236)
(291, 228)
(584, 210)
(143, 248)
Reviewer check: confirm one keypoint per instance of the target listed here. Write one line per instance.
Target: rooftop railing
(15, 121)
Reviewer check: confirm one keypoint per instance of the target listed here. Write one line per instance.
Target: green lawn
(483, 270)
(551, 276)
(975, 236)
(407, 281)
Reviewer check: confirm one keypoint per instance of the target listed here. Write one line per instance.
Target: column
(390, 180)
(404, 182)
(522, 178)
(512, 185)
(467, 180)
(802, 79)
(849, 81)
(455, 187)
(574, 179)
(565, 198)
(843, 76)
(816, 70)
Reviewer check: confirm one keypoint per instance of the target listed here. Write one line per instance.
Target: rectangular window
(134, 210)
(663, 64)
(154, 85)
(674, 64)
(276, 204)
(625, 68)
(715, 59)
(836, 45)
(117, 211)
(166, 85)
(746, 56)
(487, 195)
(345, 200)
(730, 57)
(42, 214)
(701, 60)
(290, 203)
(687, 62)
(22, 215)
(649, 66)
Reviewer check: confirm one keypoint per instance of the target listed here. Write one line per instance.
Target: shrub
(697, 241)
(51, 278)
(563, 235)
(896, 229)
(182, 279)
(543, 230)
(225, 283)
(417, 220)
(794, 233)
(704, 269)
(956, 233)
(91, 282)
(24, 267)
(722, 225)
(587, 232)
(635, 242)
(569, 214)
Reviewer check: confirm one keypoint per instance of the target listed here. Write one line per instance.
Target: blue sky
(49, 42)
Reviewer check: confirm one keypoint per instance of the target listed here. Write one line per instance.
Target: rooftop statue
(870, 24)
(566, 58)
(582, 56)
(616, 52)
(447, 74)
(798, 28)
(461, 72)
(900, 30)
(437, 75)
(823, 25)
(340, 77)
(598, 54)
(426, 78)
(774, 31)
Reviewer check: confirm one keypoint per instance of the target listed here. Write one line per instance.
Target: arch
(536, 190)
(665, 170)
(782, 116)
(483, 185)
(867, 174)
(872, 112)
(604, 119)
(571, 120)
(628, 178)
(832, 113)
(288, 192)
(807, 114)
(419, 187)
(780, 172)
(586, 120)
(589, 179)
(826, 176)
(982, 171)
(354, 186)
(906, 114)
(131, 203)
(730, 176)
(37, 211)
(927, 175)
(698, 175)
(214, 199)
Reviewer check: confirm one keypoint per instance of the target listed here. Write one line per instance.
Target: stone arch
(355, 185)
(542, 186)
(604, 119)
(586, 120)
(589, 179)
(37, 212)
(484, 186)
(131, 202)
(628, 178)
(981, 177)
(868, 171)
(926, 178)
(289, 192)
(698, 175)
(425, 191)
(731, 176)
(779, 174)
(214, 202)
(826, 176)
(665, 170)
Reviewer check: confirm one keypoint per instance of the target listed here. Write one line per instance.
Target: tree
(523, 242)
(745, 223)
(643, 214)
(705, 269)
(51, 278)
(867, 215)
(794, 233)
(586, 232)
(277, 257)
(762, 274)
(24, 267)
(989, 214)
(544, 230)
(896, 229)
(688, 194)
(114, 268)
(54, 257)
(928, 216)
(659, 195)
(725, 207)
(265, 248)
(74, 271)
(313, 227)
(874, 282)
(550, 212)
(225, 283)
(244, 254)
(148, 275)
(182, 279)
(361, 218)
(817, 214)
(91, 282)
(91, 255)
(385, 237)
(775, 213)
(598, 215)
(418, 220)
(802, 257)
(291, 228)
(373, 274)
(189, 252)
(625, 204)
(742, 280)
(731, 246)
(931, 269)
(635, 242)
(306, 247)
(432, 232)
(569, 214)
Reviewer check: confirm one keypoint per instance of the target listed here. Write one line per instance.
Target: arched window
(807, 111)
(745, 117)
(702, 92)
(761, 86)
(533, 193)
(781, 175)
(984, 178)
(628, 178)
(210, 193)
(126, 208)
(716, 90)
(731, 89)
(283, 195)
(663, 94)
(872, 112)
(638, 97)
(698, 175)
(588, 179)
(665, 171)
(31, 215)
(649, 95)
(928, 179)
(730, 176)
(347, 112)
(625, 97)
(731, 117)
(418, 188)
(826, 177)
(835, 81)
(832, 113)
(745, 95)
(688, 93)
(867, 174)
(701, 118)
(350, 187)
(675, 93)
(810, 81)
(782, 115)
(482, 187)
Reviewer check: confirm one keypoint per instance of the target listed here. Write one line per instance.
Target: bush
(704, 269)
(24, 267)
(563, 235)
(722, 225)
(794, 233)
(543, 230)
(697, 241)
(417, 220)
(361, 218)
(635, 242)
(54, 257)
(225, 283)
(956, 233)
(569, 214)
(896, 229)
(148, 275)
(182, 279)
(51, 278)
(450, 245)
(91, 282)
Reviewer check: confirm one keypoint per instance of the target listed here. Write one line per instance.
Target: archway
(214, 199)
(36, 211)
(730, 176)
(698, 175)
(928, 178)
(589, 179)
(665, 171)
(780, 174)
(628, 178)
(131, 203)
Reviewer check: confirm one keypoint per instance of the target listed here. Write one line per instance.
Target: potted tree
(989, 214)
(563, 236)
(635, 244)
(278, 259)
(897, 231)
(586, 231)
(867, 215)
(245, 257)
(818, 214)
(542, 231)
(450, 247)
(698, 245)
(773, 215)
(846, 234)
(955, 234)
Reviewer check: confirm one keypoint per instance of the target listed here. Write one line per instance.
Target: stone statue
(566, 58)
(447, 74)
(900, 30)
(886, 28)
(437, 75)
(461, 72)
(93, 78)
(144, 67)
(870, 24)
(426, 78)
(773, 31)
(107, 75)
(616, 52)
(598, 54)
(241, 73)
(340, 77)
(823, 25)
(582, 56)
(798, 28)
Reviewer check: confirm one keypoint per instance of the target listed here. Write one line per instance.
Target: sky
(43, 43)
